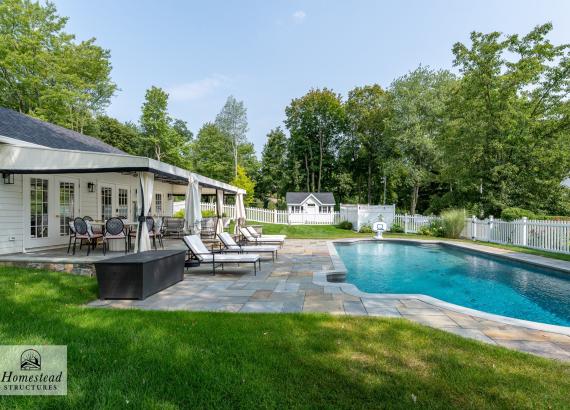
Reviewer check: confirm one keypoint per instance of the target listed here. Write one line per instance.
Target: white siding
(11, 222)
(13, 210)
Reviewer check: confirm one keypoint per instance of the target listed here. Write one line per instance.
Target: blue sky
(269, 52)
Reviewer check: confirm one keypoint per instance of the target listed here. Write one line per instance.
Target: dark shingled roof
(25, 128)
(325, 198)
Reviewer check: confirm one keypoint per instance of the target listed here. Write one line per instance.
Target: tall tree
(273, 179)
(44, 72)
(232, 121)
(316, 123)
(418, 102)
(242, 180)
(125, 137)
(508, 143)
(367, 111)
(210, 154)
(160, 139)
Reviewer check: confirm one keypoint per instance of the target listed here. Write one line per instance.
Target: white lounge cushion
(230, 258)
(260, 248)
(256, 234)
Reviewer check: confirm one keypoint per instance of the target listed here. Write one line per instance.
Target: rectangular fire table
(139, 275)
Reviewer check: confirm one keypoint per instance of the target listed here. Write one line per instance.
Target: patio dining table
(115, 246)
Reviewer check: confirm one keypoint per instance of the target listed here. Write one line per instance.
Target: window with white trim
(158, 203)
(325, 209)
(296, 209)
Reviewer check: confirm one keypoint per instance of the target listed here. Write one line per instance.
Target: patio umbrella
(219, 210)
(240, 210)
(193, 213)
(144, 200)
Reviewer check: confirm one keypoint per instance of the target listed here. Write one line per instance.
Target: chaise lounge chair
(232, 246)
(199, 251)
(262, 240)
(256, 234)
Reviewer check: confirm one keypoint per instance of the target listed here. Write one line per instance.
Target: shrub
(345, 225)
(208, 214)
(397, 228)
(511, 214)
(366, 228)
(179, 213)
(434, 228)
(453, 222)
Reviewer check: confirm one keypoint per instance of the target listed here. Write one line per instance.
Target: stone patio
(292, 284)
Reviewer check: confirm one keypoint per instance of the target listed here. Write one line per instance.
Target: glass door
(67, 203)
(106, 201)
(123, 202)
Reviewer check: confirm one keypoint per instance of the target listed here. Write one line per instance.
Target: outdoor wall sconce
(8, 178)
(90, 187)
(169, 197)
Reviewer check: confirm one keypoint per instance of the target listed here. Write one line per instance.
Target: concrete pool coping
(323, 278)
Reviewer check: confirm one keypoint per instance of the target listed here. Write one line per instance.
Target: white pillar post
(525, 231)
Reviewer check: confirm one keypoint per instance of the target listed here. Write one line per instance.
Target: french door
(113, 201)
(50, 203)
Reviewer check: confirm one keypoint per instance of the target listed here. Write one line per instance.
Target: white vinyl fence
(413, 223)
(552, 236)
(273, 216)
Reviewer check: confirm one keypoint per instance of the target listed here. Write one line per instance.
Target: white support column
(525, 231)
(473, 227)
(406, 223)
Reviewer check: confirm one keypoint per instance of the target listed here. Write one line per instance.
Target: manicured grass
(146, 359)
(310, 231)
(332, 232)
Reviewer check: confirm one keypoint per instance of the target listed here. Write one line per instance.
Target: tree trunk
(369, 182)
(308, 176)
(320, 162)
(235, 158)
(415, 195)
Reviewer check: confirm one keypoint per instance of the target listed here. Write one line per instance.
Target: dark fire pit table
(139, 275)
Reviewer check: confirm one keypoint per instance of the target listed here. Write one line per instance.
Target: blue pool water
(465, 278)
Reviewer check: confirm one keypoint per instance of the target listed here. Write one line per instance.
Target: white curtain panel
(193, 211)
(145, 193)
(240, 210)
(219, 210)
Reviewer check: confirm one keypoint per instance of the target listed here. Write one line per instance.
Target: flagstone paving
(287, 285)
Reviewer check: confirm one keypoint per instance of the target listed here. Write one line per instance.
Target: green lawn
(332, 232)
(145, 359)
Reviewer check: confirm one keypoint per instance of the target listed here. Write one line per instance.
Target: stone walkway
(290, 285)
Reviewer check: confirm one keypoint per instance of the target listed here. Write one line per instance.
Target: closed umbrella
(193, 212)
(144, 200)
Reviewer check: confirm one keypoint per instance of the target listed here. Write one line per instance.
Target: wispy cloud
(195, 90)
(299, 16)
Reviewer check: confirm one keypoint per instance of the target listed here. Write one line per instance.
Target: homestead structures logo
(33, 370)
(30, 360)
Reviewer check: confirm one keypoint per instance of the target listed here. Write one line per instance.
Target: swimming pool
(471, 279)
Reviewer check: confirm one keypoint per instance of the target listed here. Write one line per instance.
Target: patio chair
(173, 226)
(208, 230)
(114, 230)
(232, 246)
(158, 232)
(95, 229)
(256, 234)
(260, 240)
(83, 232)
(199, 252)
(151, 232)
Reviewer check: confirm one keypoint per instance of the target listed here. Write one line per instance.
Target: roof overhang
(41, 160)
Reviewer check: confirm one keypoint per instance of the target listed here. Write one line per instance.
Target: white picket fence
(275, 216)
(552, 236)
(413, 223)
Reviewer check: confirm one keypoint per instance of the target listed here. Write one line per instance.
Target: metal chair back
(114, 226)
(80, 226)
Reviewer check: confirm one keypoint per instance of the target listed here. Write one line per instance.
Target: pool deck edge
(321, 278)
